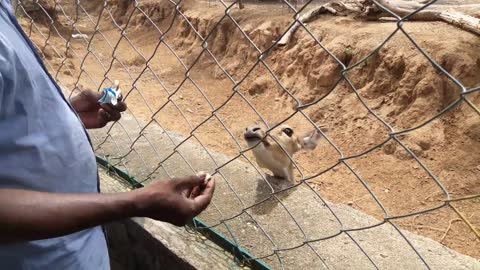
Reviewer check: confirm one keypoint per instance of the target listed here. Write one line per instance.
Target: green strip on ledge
(213, 235)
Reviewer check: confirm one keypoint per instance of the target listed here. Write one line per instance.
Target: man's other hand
(92, 113)
(175, 201)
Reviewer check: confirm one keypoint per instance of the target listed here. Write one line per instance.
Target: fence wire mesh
(177, 125)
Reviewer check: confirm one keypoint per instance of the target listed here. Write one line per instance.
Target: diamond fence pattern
(79, 34)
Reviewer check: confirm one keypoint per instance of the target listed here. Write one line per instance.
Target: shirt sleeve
(8, 74)
(1, 94)
(3, 64)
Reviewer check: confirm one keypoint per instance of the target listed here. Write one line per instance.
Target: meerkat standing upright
(270, 155)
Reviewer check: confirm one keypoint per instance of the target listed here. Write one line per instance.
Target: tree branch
(401, 8)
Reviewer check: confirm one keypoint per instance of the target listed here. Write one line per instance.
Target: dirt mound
(390, 76)
(41, 11)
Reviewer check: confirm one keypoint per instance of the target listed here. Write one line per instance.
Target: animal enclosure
(394, 181)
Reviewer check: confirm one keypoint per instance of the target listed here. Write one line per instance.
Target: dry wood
(389, 8)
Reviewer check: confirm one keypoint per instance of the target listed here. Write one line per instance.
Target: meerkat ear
(310, 140)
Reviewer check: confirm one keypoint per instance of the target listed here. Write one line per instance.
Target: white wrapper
(111, 95)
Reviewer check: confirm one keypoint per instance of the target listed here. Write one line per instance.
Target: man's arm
(30, 215)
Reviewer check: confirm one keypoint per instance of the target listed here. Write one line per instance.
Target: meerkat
(270, 155)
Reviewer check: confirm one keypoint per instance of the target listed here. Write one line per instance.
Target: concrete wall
(131, 247)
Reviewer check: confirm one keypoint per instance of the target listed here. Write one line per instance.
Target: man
(50, 208)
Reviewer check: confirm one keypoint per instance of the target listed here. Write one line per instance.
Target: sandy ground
(397, 83)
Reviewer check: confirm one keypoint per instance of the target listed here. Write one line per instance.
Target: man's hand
(92, 113)
(175, 201)
(30, 215)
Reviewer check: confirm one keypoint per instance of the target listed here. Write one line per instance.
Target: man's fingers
(114, 114)
(121, 106)
(94, 119)
(190, 181)
(85, 101)
(103, 117)
(95, 95)
(203, 199)
(206, 176)
(195, 192)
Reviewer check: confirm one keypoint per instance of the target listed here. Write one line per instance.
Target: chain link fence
(188, 104)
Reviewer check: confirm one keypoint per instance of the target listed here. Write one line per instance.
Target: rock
(389, 148)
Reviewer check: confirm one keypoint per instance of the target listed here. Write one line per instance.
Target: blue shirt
(43, 147)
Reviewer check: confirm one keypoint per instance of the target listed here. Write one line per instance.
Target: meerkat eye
(288, 131)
